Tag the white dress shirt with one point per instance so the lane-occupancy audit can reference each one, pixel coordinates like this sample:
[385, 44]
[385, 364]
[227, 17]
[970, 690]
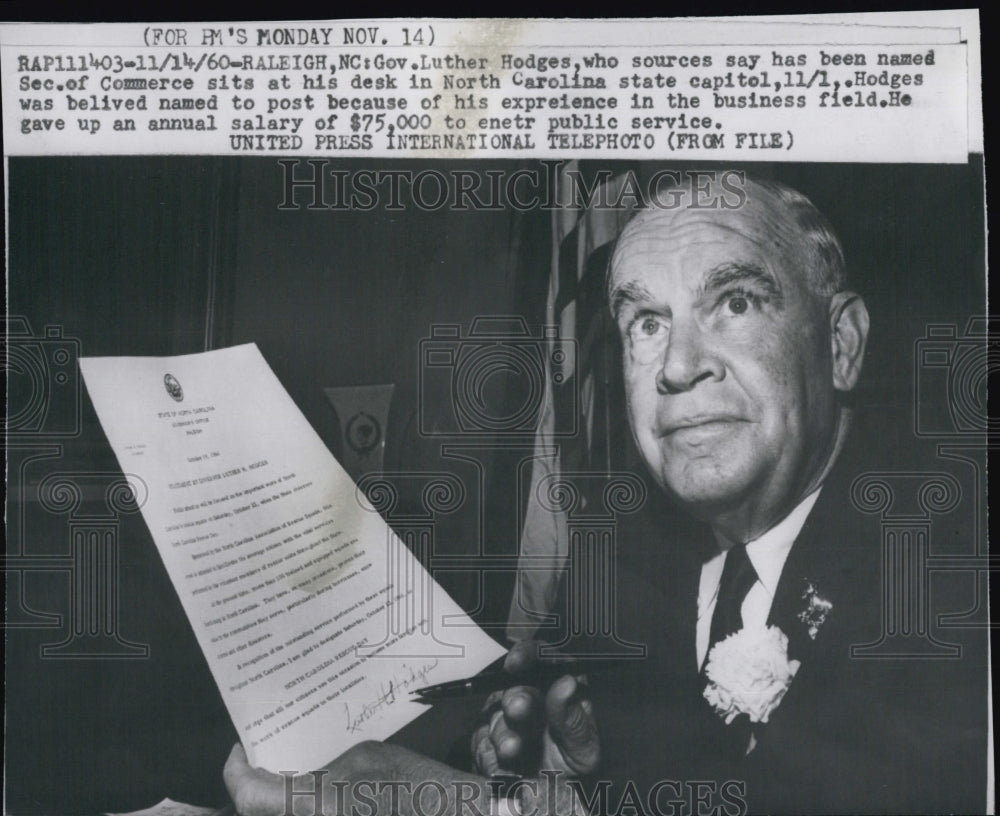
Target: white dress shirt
[768, 554]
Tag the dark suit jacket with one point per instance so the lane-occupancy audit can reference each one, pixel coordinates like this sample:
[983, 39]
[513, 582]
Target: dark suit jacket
[852, 734]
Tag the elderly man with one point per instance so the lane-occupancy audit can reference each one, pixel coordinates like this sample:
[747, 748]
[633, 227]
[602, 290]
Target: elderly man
[741, 342]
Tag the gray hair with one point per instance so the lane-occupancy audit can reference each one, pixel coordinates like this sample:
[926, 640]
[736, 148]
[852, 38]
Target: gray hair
[788, 218]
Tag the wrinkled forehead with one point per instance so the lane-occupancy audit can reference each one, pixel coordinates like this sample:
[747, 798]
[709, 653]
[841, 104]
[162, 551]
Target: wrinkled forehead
[761, 228]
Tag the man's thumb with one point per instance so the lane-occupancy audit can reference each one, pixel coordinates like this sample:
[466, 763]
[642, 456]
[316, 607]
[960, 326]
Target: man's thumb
[253, 791]
[522, 657]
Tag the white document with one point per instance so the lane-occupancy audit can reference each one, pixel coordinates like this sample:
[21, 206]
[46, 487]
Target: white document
[315, 619]
[168, 807]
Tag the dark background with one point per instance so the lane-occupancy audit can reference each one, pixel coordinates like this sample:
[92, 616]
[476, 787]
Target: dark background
[171, 255]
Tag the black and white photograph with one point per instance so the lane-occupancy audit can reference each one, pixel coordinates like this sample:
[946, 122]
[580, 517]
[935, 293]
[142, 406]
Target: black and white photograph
[574, 460]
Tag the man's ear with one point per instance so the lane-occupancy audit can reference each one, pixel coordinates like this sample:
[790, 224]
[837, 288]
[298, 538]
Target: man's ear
[848, 336]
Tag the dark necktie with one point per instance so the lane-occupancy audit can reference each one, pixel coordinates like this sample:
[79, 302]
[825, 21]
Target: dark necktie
[738, 575]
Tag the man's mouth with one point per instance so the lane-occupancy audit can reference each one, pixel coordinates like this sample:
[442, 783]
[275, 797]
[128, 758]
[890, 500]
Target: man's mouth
[700, 425]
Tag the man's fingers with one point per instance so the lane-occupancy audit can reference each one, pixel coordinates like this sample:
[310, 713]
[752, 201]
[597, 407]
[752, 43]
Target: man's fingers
[506, 741]
[483, 752]
[492, 701]
[255, 792]
[480, 734]
[520, 715]
[522, 657]
[571, 726]
[495, 745]
[560, 693]
[522, 708]
[516, 720]
[237, 769]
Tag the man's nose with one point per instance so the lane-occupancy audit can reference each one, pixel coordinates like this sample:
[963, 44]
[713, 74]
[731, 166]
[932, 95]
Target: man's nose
[687, 360]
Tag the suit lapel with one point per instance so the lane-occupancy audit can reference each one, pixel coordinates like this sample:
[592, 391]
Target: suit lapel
[830, 557]
[807, 567]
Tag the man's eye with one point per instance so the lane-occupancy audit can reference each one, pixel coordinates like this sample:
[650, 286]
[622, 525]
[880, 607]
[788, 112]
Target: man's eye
[647, 327]
[739, 304]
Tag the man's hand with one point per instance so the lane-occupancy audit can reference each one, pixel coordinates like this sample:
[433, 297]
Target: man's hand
[382, 780]
[256, 792]
[556, 733]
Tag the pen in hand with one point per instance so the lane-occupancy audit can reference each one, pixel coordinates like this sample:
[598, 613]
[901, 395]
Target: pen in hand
[497, 678]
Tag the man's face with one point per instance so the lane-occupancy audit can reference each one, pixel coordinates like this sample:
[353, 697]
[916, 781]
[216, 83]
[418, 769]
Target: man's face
[727, 359]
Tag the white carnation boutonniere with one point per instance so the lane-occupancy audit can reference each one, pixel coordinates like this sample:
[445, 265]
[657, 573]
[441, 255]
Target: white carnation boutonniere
[816, 611]
[749, 673]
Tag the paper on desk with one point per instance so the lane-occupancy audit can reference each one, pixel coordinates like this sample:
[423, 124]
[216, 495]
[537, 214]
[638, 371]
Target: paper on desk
[168, 807]
[315, 619]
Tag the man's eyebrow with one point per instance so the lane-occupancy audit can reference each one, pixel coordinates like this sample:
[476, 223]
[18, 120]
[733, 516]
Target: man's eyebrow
[731, 274]
[628, 292]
